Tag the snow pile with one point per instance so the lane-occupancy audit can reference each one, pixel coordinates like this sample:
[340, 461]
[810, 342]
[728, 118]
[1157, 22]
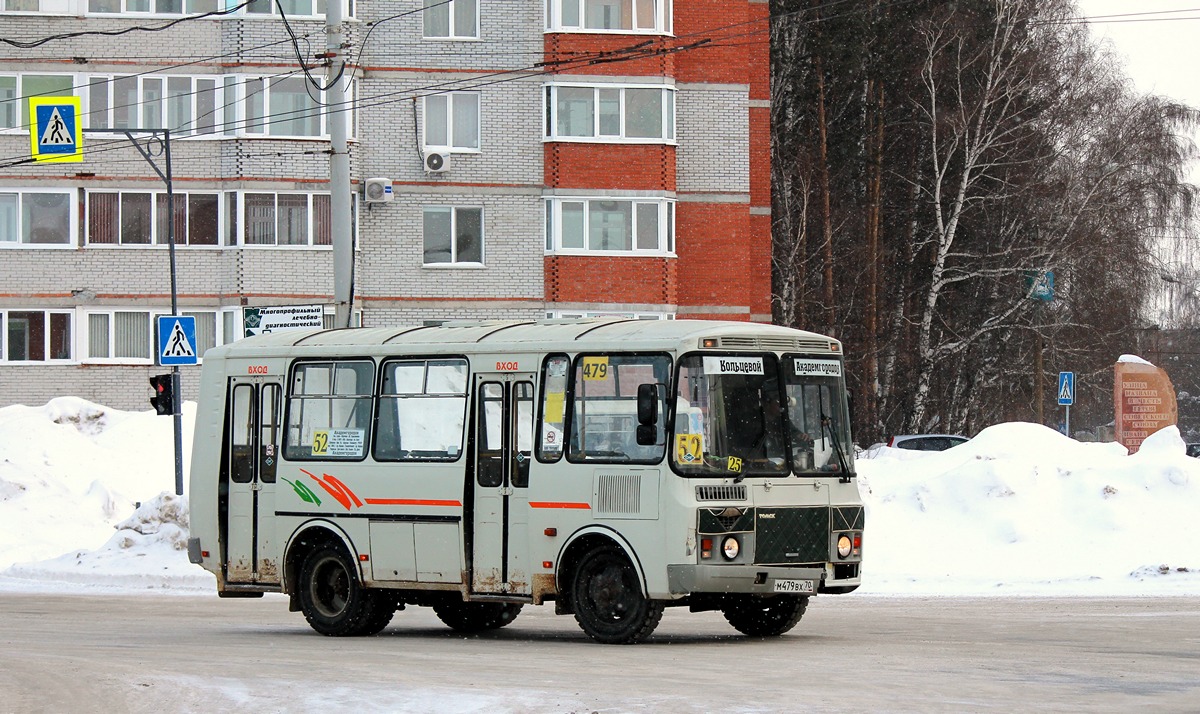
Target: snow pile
[149, 550]
[1023, 509]
[72, 472]
[86, 500]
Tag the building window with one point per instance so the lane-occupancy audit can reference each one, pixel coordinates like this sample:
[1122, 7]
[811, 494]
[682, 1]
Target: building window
[452, 121]
[635, 315]
[35, 336]
[453, 235]
[627, 16]
[286, 219]
[610, 113]
[610, 225]
[16, 88]
[140, 218]
[257, 8]
[455, 20]
[120, 335]
[55, 6]
[36, 218]
[117, 336]
[185, 105]
[224, 105]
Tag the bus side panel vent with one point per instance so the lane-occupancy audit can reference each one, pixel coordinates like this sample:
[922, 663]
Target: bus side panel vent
[626, 494]
[721, 493]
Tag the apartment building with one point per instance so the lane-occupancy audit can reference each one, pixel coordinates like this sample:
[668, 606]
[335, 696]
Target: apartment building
[511, 159]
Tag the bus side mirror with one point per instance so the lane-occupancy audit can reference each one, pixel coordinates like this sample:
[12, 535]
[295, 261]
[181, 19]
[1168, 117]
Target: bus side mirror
[647, 404]
[647, 411]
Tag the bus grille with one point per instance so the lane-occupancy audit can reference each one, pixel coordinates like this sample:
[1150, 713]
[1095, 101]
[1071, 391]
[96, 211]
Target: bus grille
[721, 493]
[792, 535]
[780, 344]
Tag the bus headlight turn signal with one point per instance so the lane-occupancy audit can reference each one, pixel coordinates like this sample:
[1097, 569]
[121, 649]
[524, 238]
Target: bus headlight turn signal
[730, 548]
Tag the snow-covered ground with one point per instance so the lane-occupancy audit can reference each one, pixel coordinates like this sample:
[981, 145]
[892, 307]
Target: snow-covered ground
[1019, 510]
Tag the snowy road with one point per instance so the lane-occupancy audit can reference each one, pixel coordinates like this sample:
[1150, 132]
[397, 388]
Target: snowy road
[182, 653]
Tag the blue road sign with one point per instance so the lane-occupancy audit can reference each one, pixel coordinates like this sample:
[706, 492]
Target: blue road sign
[56, 135]
[1066, 388]
[1040, 285]
[176, 340]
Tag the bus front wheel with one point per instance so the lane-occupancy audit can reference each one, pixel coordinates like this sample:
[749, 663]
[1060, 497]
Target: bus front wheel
[764, 615]
[334, 601]
[608, 600]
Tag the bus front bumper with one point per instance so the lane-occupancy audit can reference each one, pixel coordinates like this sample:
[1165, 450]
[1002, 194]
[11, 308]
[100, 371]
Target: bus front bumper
[689, 579]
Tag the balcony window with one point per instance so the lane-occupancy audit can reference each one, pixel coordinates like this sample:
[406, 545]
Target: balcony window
[625, 16]
[610, 113]
[606, 226]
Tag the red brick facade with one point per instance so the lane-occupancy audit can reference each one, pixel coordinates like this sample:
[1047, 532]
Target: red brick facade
[722, 263]
[623, 167]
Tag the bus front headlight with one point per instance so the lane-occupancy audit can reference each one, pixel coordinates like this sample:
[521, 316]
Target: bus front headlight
[730, 548]
[844, 546]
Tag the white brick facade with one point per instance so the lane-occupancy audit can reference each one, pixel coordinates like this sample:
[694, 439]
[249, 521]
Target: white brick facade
[504, 178]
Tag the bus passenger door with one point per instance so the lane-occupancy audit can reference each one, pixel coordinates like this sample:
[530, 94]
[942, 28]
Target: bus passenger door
[253, 453]
[503, 450]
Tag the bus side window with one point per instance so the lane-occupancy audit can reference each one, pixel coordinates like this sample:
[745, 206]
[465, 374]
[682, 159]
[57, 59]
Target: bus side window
[422, 410]
[269, 432]
[490, 438]
[329, 410]
[554, 408]
[241, 452]
[523, 399]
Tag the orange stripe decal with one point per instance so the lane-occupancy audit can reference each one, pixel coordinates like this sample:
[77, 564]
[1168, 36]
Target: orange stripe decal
[411, 502]
[559, 504]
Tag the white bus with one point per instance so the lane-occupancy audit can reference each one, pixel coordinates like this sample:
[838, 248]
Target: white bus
[615, 467]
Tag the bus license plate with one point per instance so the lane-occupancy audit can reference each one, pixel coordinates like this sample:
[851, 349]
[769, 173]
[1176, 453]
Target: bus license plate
[793, 586]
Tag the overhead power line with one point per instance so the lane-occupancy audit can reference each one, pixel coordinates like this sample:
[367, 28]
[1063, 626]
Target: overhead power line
[640, 50]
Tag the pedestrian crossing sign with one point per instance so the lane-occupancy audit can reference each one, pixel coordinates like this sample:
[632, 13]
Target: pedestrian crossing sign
[55, 134]
[1066, 388]
[176, 340]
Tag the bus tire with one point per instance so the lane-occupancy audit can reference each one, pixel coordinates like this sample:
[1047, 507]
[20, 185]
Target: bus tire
[764, 615]
[334, 601]
[383, 609]
[608, 601]
[476, 616]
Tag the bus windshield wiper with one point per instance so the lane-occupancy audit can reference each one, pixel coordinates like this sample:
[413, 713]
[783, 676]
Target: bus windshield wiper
[827, 425]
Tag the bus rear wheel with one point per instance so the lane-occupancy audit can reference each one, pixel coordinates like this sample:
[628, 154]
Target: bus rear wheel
[764, 615]
[334, 601]
[476, 616]
[608, 601]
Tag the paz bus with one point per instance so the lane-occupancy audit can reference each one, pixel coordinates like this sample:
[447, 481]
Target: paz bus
[614, 467]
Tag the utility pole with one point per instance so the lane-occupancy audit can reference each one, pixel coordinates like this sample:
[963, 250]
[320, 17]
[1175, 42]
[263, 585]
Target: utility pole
[150, 152]
[336, 113]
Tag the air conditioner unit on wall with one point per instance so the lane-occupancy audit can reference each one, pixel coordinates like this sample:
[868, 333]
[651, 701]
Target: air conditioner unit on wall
[436, 162]
[378, 190]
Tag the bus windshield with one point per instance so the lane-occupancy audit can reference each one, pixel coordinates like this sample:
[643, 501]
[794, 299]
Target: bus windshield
[727, 416]
[820, 437]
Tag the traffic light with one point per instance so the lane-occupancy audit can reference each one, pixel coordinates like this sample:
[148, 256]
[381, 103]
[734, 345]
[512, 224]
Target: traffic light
[164, 394]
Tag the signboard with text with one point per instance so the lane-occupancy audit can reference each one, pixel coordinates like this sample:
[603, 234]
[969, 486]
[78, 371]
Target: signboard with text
[1144, 401]
[262, 320]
